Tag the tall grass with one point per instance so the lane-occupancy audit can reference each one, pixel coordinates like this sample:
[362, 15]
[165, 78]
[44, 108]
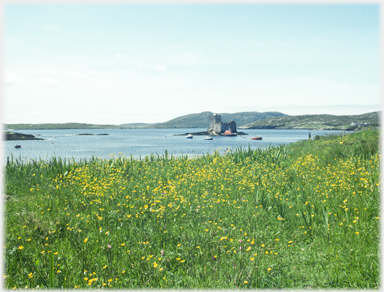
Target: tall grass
[296, 216]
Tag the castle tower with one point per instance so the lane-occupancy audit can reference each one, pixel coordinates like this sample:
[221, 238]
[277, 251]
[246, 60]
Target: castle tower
[215, 119]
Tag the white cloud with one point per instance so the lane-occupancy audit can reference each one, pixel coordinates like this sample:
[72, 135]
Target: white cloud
[47, 81]
[119, 56]
[11, 79]
[160, 68]
[187, 59]
[74, 74]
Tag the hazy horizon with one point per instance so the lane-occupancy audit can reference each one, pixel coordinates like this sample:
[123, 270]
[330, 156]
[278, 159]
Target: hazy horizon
[354, 110]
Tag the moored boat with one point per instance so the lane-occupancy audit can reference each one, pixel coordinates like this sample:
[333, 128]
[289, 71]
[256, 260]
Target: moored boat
[257, 138]
[189, 136]
[228, 133]
[17, 146]
[208, 138]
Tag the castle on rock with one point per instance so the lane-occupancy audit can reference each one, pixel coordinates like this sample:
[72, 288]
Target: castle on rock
[216, 126]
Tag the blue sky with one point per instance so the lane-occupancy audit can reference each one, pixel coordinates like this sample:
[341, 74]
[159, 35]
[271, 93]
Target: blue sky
[125, 63]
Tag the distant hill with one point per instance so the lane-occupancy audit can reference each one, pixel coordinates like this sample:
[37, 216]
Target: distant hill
[199, 120]
[57, 126]
[317, 122]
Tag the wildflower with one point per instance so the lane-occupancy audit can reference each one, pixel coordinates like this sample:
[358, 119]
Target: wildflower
[85, 240]
[20, 247]
[245, 282]
[109, 246]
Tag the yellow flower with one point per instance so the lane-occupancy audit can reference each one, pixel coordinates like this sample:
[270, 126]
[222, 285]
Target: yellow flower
[357, 232]
[85, 240]
[122, 244]
[252, 259]
[269, 269]
[20, 247]
[110, 280]
[155, 265]
[245, 282]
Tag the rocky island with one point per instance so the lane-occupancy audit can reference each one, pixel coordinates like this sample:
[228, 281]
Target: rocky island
[13, 136]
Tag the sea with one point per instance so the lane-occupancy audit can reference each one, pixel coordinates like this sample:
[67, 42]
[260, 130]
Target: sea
[138, 143]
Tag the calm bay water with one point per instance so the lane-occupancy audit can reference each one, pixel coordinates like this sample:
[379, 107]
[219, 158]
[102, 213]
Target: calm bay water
[138, 142]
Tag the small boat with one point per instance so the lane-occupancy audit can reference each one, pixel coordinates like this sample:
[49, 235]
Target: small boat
[228, 133]
[208, 138]
[257, 138]
[17, 146]
[189, 136]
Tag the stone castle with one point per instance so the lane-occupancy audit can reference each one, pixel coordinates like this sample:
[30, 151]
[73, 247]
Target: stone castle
[216, 126]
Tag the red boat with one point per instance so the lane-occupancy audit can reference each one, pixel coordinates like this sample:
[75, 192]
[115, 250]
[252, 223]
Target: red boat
[257, 138]
[229, 133]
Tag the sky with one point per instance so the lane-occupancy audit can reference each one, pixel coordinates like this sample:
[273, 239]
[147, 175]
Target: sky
[123, 63]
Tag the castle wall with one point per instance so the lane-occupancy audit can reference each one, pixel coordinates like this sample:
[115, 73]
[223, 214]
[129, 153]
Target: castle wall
[228, 126]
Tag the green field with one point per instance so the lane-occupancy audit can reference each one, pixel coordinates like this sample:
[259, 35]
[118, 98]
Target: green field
[300, 216]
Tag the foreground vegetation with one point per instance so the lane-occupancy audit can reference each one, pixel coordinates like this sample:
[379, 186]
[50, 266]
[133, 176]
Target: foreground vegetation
[297, 216]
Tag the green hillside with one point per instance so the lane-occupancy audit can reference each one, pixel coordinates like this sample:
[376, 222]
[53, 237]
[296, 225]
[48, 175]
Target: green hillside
[326, 122]
[201, 120]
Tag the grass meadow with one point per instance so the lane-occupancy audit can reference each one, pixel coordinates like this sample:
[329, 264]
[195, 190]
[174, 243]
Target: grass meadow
[304, 215]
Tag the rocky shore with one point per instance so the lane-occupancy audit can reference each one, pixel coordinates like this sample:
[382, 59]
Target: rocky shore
[12, 136]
